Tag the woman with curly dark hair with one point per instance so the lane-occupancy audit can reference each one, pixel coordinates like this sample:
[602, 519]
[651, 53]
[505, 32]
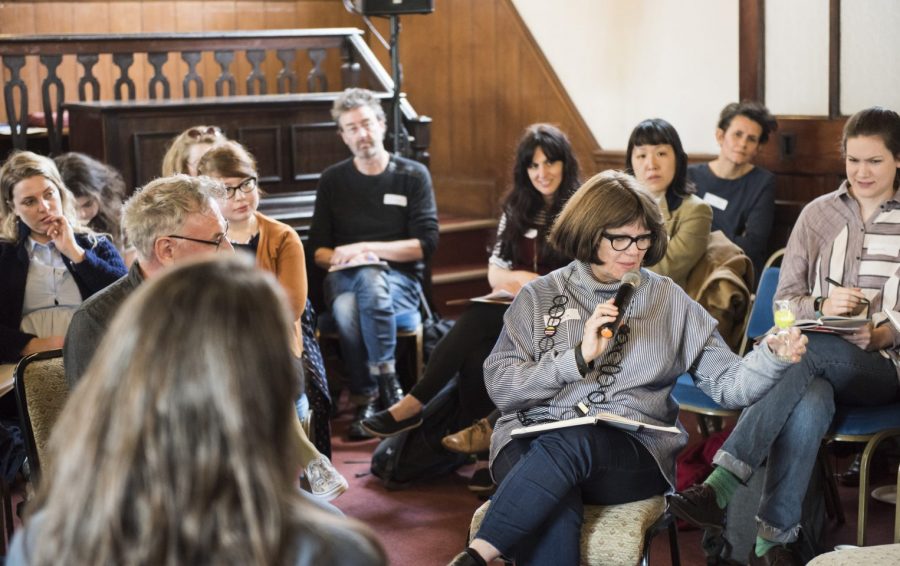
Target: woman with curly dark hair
[545, 175]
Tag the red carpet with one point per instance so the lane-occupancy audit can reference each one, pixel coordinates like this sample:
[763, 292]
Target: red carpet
[423, 525]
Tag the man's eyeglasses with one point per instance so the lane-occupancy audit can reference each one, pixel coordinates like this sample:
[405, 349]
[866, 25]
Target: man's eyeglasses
[210, 131]
[217, 242]
[246, 186]
[621, 242]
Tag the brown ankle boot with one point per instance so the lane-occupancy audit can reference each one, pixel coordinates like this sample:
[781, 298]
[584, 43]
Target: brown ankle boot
[471, 440]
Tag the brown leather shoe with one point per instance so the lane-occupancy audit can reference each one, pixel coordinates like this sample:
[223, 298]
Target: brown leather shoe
[697, 505]
[470, 440]
[777, 556]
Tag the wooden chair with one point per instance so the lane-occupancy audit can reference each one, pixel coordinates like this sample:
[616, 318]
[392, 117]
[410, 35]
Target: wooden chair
[41, 392]
[617, 534]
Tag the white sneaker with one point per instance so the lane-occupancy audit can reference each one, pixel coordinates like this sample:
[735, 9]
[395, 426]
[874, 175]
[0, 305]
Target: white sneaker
[325, 482]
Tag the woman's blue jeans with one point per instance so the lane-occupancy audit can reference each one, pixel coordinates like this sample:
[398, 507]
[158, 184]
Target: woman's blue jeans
[536, 514]
[788, 424]
[363, 303]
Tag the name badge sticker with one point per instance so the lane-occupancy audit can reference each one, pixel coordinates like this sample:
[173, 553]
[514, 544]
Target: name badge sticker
[394, 200]
[531, 233]
[569, 314]
[715, 201]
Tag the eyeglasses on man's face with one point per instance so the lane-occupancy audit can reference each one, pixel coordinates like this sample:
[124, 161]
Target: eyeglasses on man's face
[621, 242]
[216, 242]
[246, 186]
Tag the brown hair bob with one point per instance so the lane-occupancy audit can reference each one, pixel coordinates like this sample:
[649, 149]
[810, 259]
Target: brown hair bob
[610, 199]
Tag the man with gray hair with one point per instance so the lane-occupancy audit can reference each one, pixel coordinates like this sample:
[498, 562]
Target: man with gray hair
[170, 219]
[375, 222]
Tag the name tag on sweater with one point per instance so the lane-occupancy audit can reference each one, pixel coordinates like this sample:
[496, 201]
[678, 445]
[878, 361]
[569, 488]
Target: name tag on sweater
[715, 201]
[531, 234]
[570, 314]
[394, 200]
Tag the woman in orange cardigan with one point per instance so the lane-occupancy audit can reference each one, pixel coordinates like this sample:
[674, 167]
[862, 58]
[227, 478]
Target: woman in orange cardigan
[278, 249]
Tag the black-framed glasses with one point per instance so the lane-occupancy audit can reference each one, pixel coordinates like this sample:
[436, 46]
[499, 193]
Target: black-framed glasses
[246, 186]
[621, 242]
[217, 242]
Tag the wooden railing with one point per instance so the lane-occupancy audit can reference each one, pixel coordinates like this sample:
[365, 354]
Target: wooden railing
[336, 57]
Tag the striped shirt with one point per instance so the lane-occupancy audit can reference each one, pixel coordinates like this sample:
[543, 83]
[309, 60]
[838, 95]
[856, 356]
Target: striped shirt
[830, 240]
[508, 263]
[670, 334]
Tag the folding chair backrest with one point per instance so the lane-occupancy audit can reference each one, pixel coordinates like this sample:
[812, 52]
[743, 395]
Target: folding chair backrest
[761, 316]
[41, 392]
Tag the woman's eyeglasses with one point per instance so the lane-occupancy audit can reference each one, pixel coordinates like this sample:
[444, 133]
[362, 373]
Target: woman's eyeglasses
[246, 186]
[621, 242]
[210, 131]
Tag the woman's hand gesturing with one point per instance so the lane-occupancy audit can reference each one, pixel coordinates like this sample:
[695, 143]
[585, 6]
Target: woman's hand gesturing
[592, 344]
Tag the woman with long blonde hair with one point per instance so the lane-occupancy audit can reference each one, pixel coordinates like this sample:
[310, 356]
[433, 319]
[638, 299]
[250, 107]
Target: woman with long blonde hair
[50, 262]
[186, 457]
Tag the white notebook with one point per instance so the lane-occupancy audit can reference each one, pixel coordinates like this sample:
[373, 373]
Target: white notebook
[602, 418]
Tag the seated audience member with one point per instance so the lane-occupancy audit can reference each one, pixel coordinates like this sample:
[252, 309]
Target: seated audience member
[656, 158]
[49, 262]
[849, 236]
[372, 207]
[742, 195]
[177, 446]
[169, 220]
[188, 147]
[277, 248]
[99, 192]
[545, 175]
[552, 363]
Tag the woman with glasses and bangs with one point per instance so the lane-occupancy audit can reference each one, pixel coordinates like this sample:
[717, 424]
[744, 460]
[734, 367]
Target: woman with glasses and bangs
[555, 360]
[658, 161]
[277, 249]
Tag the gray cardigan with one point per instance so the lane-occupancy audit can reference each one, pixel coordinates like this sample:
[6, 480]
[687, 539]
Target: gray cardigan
[670, 335]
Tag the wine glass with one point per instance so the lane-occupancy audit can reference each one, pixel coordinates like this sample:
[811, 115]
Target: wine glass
[784, 320]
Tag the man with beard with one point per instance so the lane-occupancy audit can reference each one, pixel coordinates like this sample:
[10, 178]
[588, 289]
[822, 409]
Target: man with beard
[375, 223]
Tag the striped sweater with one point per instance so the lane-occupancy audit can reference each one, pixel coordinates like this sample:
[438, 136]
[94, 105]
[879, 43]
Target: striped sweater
[670, 334]
[830, 240]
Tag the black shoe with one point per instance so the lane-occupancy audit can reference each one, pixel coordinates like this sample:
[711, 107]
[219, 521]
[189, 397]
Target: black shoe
[464, 558]
[777, 556]
[356, 431]
[851, 476]
[697, 505]
[389, 390]
[481, 482]
[383, 425]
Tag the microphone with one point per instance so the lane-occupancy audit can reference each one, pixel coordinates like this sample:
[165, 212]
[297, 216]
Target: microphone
[630, 282]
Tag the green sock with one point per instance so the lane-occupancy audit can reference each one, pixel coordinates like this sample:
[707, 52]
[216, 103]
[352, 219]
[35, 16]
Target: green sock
[724, 483]
[763, 546]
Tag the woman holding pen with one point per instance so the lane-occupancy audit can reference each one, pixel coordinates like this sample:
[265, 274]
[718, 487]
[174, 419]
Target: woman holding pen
[843, 254]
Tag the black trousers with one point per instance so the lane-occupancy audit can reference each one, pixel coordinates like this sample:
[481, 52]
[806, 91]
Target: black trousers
[463, 350]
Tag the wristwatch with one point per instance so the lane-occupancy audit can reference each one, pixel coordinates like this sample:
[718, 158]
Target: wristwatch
[817, 306]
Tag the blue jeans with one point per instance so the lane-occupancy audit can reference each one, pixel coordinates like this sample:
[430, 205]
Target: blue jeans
[787, 425]
[363, 303]
[536, 514]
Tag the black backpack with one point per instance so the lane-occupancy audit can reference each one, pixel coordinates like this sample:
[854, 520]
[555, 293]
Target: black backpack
[418, 454]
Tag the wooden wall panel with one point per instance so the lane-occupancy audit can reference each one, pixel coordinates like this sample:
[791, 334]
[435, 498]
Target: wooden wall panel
[476, 70]
[472, 66]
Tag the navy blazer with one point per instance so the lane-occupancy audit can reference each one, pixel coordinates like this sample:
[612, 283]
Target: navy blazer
[101, 266]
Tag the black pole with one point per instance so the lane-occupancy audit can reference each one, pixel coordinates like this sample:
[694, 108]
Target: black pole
[397, 125]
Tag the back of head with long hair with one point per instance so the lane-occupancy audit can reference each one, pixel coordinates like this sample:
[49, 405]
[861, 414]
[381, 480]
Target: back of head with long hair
[23, 165]
[176, 447]
[657, 131]
[523, 203]
[100, 183]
